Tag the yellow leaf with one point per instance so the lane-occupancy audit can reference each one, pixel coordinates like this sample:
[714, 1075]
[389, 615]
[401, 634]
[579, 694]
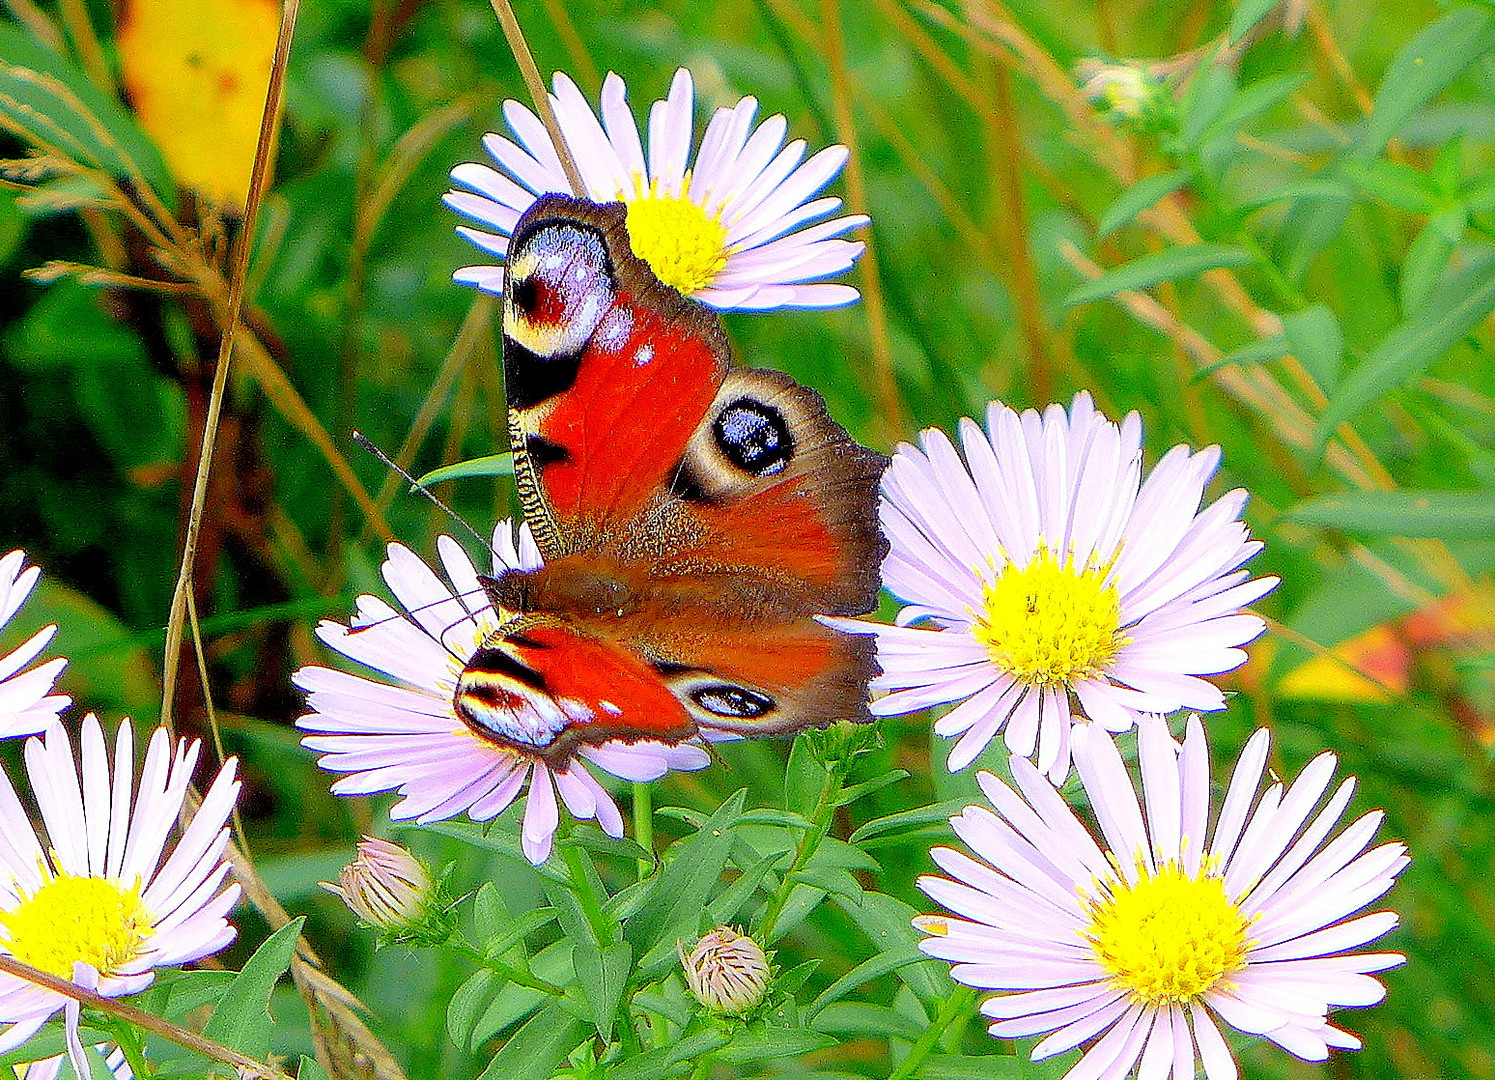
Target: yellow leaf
[197, 72]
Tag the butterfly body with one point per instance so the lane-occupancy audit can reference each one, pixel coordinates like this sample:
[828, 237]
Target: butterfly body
[694, 517]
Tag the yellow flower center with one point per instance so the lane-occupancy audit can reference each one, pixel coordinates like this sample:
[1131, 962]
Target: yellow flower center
[96, 920]
[684, 246]
[1050, 623]
[1169, 937]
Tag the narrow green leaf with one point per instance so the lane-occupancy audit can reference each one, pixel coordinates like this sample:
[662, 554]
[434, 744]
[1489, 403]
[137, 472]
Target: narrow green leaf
[830, 880]
[242, 1018]
[1401, 186]
[497, 837]
[23, 61]
[598, 842]
[537, 1049]
[1209, 94]
[1459, 305]
[603, 975]
[1253, 101]
[1428, 256]
[669, 1061]
[492, 465]
[1137, 198]
[860, 1018]
[791, 980]
[1423, 68]
[1316, 340]
[908, 819]
[769, 1042]
[467, 1004]
[1246, 15]
[1150, 270]
[734, 897]
[991, 1067]
[1308, 228]
[676, 902]
[888, 924]
[1445, 515]
[873, 968]
[1319, 187]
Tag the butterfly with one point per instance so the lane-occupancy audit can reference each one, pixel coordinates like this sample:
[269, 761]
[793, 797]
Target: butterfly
[694, 517]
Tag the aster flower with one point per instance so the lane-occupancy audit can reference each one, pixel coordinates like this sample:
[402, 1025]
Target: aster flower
[724, 228]
[1144, 937]
[27, 704]
[1054, 574]
[404, 734]
[100, 900]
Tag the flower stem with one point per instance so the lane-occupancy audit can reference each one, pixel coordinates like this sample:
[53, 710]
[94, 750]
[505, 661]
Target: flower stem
[809, 843]
[643, 825]
[956, 1005]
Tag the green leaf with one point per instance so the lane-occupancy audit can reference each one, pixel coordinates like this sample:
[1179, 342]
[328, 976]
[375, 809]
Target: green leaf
[1446, 515]
[873, 968]
[734, 897]
[1401, 186]
[867, 787]
[1428, 256]
[468, 1004]
[603, 975]
[1316, 340]
[536, 1050]
[1459, 305]
[676, 903]
[12, 225]
[860, 1018]
[308, 1069]
[770, 1041]
[909, 819]
[1305, 191]
[791, 980]
[495, 836]
[42, 93]
[830, 880]
[594, 840]
[992, 1067]
[1252, 102]
[1313, 222]
[1150, 270]
[1138, 197]
[669, 1061]
[1208, 96]
[888, 924]
[242, 1019]
[1423, 68]
[1246, 15]
[492, 465]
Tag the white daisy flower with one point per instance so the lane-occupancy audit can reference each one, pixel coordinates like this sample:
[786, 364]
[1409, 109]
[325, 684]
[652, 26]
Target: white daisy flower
[100, 900]
[405, 735]
[724, 229]
[1139, 939]
[27, 704]
[1054, 575]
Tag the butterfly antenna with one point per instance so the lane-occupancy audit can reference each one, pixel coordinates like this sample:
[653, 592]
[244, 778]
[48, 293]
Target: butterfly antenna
[364, 441]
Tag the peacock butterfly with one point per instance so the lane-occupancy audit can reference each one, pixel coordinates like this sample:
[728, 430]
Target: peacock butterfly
[694, 517]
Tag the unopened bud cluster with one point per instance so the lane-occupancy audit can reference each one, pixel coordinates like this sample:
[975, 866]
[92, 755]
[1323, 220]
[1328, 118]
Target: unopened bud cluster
[1129, 94]
[727, 972]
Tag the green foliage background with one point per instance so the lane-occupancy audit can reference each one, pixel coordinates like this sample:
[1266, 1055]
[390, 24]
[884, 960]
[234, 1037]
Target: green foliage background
[1312, 229]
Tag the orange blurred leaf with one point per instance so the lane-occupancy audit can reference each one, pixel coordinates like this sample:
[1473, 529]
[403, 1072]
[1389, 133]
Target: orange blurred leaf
[197, 72]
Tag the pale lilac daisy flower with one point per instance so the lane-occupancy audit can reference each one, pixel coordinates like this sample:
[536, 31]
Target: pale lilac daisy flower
[1055, 575]
[405, 735]
[100, 900]
[1145, 936]
[27, 704]
[724, 228]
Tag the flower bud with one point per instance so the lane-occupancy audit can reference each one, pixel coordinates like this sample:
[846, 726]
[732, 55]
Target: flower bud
[726, 971]
[385, 885]
[1128, 93]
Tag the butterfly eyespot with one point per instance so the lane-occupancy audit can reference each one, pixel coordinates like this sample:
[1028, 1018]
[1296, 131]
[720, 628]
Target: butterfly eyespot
[526, 296]
[754, 436]
[734, 701]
